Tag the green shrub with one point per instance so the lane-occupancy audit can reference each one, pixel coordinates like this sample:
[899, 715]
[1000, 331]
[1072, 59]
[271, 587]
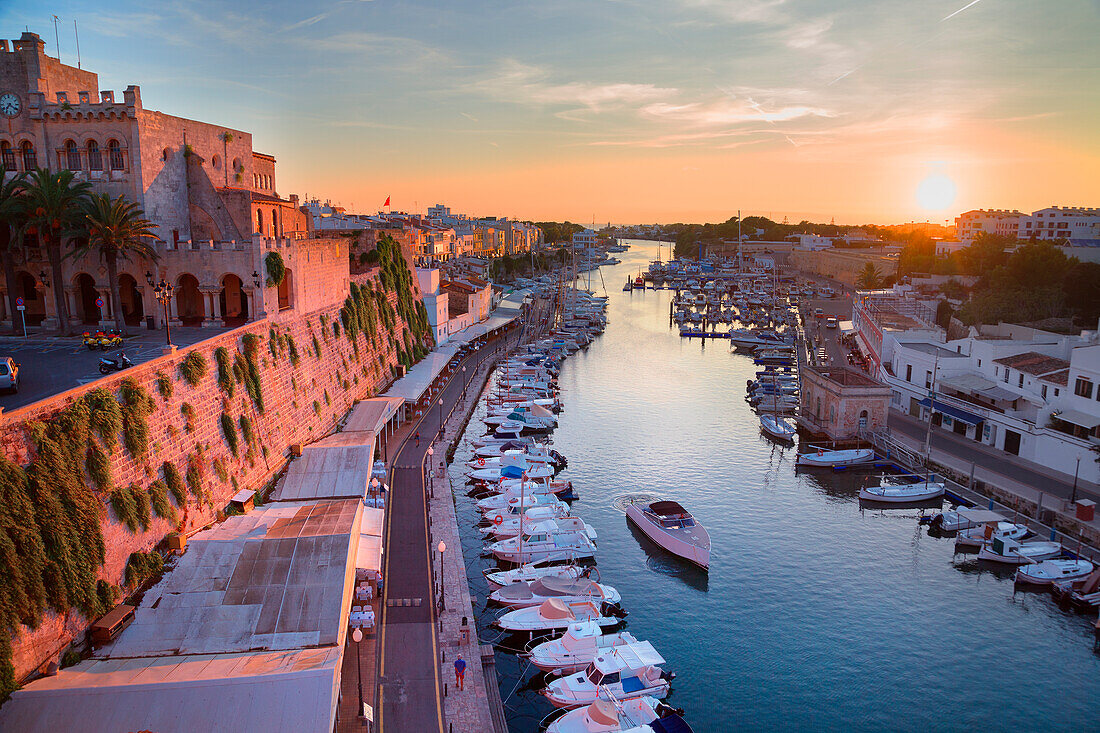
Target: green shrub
[69, 658]
[124, 504]
[246, 429]
[195, 473]
[175, 483]
[273, 343]
[221, 469]
[276, 269]
[188, 413]
[158, 497]
[328, 400]
[230, 432]
[136, 407]
[336, 328]
[317, 408]
[141, 505]
[99, 468]
[164, 385]
[142, 566]
[225, 377]
[251, 343]
[193, 368]
[316, 347]
[292, 349]
[105, 416]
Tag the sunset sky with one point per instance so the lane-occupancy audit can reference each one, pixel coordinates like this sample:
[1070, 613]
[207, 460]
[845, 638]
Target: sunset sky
[627, 110]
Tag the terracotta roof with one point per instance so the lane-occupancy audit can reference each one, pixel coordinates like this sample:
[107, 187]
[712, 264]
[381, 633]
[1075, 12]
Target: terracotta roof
[1060, 377]
[1032, 362]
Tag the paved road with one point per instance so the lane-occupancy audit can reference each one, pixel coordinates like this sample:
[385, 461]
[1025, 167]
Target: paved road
[51, 364]
[410, 690]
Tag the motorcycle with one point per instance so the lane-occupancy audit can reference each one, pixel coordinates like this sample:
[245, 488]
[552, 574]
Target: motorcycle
[107, 366]
[92, 342]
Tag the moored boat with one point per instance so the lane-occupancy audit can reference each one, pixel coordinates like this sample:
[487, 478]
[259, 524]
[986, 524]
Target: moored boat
[576, 648]
[620, 673]
[556, 614]
[1011, 552]
[1048, 571]
[902, 493]
[673, 528]
[822, 458]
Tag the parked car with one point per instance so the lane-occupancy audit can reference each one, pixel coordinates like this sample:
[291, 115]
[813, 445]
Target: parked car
[819, 313]
[831, 322]
[9, 374]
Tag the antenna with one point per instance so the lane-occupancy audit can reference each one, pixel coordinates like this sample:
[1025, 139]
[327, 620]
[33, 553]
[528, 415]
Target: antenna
[77, 34]
[56, 43]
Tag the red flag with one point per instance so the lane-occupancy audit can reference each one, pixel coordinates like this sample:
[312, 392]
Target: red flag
[387, 201]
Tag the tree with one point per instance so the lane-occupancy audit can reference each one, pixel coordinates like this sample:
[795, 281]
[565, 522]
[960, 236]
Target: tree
[1082, 289]
[869, 277]
[11, 213]
[985, 253]
[118, 230]
[52, 208]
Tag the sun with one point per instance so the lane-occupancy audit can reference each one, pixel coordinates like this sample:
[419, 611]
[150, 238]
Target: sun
[936, 192]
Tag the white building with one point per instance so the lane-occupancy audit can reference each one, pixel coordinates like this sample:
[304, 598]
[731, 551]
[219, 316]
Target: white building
[1081, 226]
[813, 242]
[435, 301]
[584, 239]
[1003, 222]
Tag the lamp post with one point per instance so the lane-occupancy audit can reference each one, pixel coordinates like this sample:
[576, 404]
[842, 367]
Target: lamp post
[431, 475]
[357, 636]
[163, 291]
[465, 384]
[442, 547]
[1073, 495]
[441, 416]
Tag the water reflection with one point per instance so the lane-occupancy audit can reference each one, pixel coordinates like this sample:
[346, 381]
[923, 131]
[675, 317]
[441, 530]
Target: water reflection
[660, 560]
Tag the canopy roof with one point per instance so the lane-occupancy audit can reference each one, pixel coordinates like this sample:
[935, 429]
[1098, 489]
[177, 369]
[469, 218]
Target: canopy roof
[1081, 419]
[554, 608]
[667, 509]
[980, 516]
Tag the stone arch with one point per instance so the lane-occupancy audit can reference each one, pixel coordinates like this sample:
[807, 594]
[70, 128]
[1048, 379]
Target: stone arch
[166, 155]
[29, 155]
[864, 418]
[7, 156]
[133, 309]
[190, 305]
[260, 221]
[232, 299]
[286, 291]
[26, 287]
[87, 294]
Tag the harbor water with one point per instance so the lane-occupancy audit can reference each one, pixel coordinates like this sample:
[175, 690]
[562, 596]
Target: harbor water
[815, 614]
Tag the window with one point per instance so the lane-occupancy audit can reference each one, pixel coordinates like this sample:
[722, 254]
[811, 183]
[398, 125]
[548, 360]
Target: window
[928, 380]
[1020, 383]
[1043, 391]
[95, 160]
[216, 162]
[72, 155]
[1007, 370]
[166, 155]
[30, 158]
[114, 153]
[7, 155]
[1083, 388]
[259, 221]
[980, 363]
[1056, 391]
[908, 372]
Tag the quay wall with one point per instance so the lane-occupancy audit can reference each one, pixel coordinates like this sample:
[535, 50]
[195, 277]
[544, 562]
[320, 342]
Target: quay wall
[842, 266]
[303, 396]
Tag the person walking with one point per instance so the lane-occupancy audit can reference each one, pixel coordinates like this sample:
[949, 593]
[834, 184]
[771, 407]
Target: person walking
[417, 436]
[460, 672]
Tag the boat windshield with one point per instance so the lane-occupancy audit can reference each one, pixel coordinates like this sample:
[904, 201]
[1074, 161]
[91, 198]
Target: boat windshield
[594, 675]
[676, 522]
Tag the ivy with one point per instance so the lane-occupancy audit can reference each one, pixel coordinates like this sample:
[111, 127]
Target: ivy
[193, 368]
[246, 429]
[317, 408]
[292, 349]
[164, 385]
[225, 378]
[142, 566]
[175, 483]
[105, 416]
[195, 473]
[99, 467]
[276, 269]
[131, 506]
[316, 347]
[158, 497]
[221, 469]
[188, 413]
[230, 433]
[136, 407]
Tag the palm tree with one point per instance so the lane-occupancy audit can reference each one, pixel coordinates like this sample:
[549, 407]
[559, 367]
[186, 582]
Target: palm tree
[52, 208]
[869, 277]
[11, 217]
[117, 229]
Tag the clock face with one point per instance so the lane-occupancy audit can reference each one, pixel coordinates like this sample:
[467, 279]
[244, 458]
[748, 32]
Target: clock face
[9, 104]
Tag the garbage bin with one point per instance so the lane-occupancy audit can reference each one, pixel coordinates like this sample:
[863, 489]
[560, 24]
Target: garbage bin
[149, 323]
[1086, 509]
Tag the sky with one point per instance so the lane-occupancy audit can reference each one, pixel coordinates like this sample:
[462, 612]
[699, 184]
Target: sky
[628, 111]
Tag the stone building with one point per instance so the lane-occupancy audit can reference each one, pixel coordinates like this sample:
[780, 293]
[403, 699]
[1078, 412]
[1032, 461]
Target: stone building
[212, 198]
[840, 402]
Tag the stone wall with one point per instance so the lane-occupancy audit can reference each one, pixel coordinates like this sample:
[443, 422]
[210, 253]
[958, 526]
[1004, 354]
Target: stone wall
[843, 266]
[302, 401]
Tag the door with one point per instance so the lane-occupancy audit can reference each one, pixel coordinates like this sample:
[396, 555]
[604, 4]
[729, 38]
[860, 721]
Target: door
[959, 427]
[914, 407]
[1012, 442]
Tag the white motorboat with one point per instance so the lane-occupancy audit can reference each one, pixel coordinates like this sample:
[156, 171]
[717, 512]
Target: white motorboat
[1011, 552]
[533, 572]
[637, 715]
[778, 427]
[620, 673]
[504, 470]
[512, 502]
[673, 528]
[498, 449]
[539, 456]
[902, 493]
[983, 535]
[963, 518]
[576, 648]
[822, 458]
[555, 614]
[1048, 571]
[510, 526]
[524, 594]
[559, 539]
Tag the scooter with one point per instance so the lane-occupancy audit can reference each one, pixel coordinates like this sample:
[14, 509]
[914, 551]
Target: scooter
[106, 366]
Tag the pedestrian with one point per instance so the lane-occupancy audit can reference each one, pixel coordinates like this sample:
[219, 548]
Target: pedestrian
[460, 672]
[417, 436]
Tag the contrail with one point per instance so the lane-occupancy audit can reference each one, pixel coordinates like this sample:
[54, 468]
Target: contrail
[968, 5]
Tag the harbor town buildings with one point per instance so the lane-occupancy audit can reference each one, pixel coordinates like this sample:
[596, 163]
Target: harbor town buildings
[213, 198]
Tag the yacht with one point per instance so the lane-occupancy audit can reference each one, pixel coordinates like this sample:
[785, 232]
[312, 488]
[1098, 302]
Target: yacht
[534, 572]
[984, 534]
[501, 526]
[559, 539]
[673, 528]
[778, 427]
[620, 673]
[902, 493]
[576, 648]
[523, 594]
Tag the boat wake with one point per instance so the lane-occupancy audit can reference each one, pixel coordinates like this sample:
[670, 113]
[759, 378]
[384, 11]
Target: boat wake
[619, 503]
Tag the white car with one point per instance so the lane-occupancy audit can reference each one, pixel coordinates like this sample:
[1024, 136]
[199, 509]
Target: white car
[830, 322]
[9, 374]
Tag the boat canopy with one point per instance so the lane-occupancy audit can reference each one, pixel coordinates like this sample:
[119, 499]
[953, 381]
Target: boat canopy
[579, 631]
[602, 712]
[668, 509]
[670, 724]
[634, 656]
[554, 608]
[980, 516]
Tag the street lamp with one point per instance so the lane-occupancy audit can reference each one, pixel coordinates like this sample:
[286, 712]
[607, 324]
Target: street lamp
[440, 416]
[464, 383]
[1073, 496]
[44, 278]
[442, 547]
[256, 278]
[357, 636]
[163, 292]
[431, 475]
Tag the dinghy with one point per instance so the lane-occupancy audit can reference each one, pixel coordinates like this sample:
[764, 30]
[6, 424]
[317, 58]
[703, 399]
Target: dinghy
[673, 528]
[620, 673]
[1011, 552]
[1048, 571]
[822, 458]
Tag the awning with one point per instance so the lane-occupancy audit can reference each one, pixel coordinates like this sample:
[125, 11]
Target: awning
[1080, 419]
[953, 412]
[369, 556]
[980, 516]
[975, 384]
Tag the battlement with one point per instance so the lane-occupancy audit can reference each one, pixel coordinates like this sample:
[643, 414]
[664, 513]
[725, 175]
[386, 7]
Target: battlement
[84, 108]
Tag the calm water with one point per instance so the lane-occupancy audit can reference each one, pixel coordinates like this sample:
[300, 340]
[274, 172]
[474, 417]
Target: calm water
[815, 614]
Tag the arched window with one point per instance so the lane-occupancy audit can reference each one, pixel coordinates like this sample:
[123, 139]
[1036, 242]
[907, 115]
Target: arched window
[95, 160]
[30, 158]
[72, 155]
[114, 153]
[260, 221]
[166, 155]
[216, 162]
[7, 155]
[275, 222]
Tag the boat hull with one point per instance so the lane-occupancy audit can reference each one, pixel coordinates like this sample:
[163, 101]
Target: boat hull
[692, 553]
